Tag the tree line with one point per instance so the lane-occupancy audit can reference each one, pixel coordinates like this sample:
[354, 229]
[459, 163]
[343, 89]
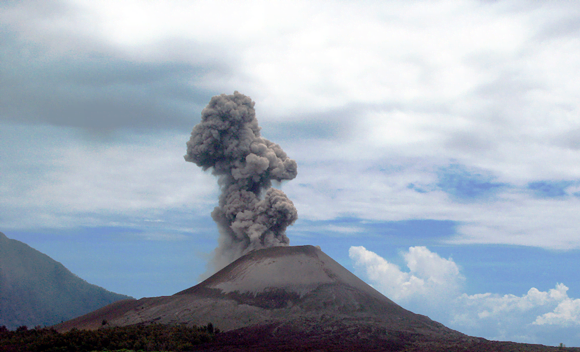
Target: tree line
[153, 337]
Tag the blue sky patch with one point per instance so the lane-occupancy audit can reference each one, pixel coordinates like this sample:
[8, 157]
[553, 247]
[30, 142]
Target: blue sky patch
[505, 269]
[464, 184]
[388, 238]
[416, 188]
[549, 189]
[129, 259]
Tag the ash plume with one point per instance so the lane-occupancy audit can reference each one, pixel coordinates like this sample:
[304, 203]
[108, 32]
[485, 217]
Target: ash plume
[251, 214]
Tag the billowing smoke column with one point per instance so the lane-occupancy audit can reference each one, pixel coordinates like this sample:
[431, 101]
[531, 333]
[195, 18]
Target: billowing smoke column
[250, 215]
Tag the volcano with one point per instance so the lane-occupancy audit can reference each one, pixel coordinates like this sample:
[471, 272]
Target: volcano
[287, 295]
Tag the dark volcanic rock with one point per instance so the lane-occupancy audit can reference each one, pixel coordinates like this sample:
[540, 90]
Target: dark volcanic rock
[36, 290]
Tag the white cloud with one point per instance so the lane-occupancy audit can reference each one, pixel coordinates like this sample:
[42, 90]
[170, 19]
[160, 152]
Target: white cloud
[324, 191]
[565, 314]
[430, 277]
[432, 286]
[497, 307]
[64, 184]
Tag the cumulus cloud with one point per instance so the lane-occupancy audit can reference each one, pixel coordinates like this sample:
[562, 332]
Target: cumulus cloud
[566, 313]
[438, 281]
[533, 317]
[430, 277]
[494, 307]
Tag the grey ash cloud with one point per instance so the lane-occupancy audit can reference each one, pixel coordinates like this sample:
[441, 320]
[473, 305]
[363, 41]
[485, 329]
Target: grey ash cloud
[251, 214]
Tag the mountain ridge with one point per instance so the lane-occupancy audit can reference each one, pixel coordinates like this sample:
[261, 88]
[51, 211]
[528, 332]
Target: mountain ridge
[37, 290]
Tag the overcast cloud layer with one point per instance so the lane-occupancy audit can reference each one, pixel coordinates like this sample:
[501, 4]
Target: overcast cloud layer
[459, 111]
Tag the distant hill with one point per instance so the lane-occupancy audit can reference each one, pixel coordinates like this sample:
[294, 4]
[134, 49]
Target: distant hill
[37, 290]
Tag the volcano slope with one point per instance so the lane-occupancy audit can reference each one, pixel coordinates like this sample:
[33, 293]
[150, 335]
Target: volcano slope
[286, 298]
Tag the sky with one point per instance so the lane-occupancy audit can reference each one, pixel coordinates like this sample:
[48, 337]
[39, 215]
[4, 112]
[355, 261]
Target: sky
[437, 143]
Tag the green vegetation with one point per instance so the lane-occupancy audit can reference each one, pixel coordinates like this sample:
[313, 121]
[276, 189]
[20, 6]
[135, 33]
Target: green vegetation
[154, 337]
